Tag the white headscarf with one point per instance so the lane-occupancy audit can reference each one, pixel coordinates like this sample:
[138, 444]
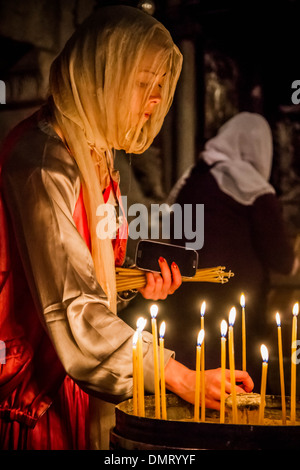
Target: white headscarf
[92, 84]
[242, 154]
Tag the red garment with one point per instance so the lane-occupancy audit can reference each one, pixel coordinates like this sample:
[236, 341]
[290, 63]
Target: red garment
[40, 407]
[63, 427]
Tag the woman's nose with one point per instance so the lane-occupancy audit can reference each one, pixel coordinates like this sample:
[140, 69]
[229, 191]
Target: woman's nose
[155, 96]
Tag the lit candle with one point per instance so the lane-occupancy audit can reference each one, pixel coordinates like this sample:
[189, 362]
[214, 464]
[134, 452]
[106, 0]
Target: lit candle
[198, 377]
[232, 316]
[202, 313]
[293, 363]
[153, 312]
[265, 357]
[223, 367]
[141, 399]
[162, 371]
[134, 366]
[282, 387]
[242, 303]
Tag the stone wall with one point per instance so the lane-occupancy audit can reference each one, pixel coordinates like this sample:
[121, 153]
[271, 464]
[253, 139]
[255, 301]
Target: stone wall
[32, 33]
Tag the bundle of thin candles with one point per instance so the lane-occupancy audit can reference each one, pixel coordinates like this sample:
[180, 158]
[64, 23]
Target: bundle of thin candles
[133, 278]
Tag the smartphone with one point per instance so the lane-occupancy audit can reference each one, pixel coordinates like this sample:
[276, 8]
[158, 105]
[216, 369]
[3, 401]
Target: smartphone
[148, 252]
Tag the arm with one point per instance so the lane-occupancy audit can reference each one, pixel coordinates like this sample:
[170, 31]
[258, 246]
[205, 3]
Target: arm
[93, 344]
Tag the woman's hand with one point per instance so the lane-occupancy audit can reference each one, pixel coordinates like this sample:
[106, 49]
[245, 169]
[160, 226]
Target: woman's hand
[159, 286]
[181, 381]
[213, 385]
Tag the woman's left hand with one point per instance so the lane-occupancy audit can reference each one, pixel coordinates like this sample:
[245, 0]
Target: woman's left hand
[159, 286]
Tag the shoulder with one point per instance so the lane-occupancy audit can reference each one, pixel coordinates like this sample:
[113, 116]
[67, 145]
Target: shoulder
[32, 153]
[37, 165]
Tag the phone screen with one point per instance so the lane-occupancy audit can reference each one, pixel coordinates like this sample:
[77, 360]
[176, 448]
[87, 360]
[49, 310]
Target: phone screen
[148, 252]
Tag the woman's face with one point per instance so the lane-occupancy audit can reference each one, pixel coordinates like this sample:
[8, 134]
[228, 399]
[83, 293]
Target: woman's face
[150, 82]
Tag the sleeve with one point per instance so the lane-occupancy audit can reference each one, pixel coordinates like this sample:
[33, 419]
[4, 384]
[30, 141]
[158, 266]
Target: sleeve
[270, 235]
[93, 344]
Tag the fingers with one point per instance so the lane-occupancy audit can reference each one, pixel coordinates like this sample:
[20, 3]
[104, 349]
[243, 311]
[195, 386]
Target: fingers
[172, 279]
[159, 286]
[164, 288]
[245, 380]
[244, 384]
[176, 278]
[182, 380]
[212, 404]
[154, 283]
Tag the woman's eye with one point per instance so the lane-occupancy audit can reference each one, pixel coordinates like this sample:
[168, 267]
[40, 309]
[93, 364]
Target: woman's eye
[142, 84]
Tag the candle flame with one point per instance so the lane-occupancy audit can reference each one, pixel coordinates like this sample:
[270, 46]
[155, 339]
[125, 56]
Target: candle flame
[278, 321]
[162, 329]
[203, 306]
[296, 308]
[200, 337]
[264, 353]
[232, 315]
[242, 300]
[135, 338]
[141, 323]
[223, 328]
[153, 310]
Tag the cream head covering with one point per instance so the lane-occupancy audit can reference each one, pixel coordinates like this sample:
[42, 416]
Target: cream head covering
[242, 154]
[93, 83]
